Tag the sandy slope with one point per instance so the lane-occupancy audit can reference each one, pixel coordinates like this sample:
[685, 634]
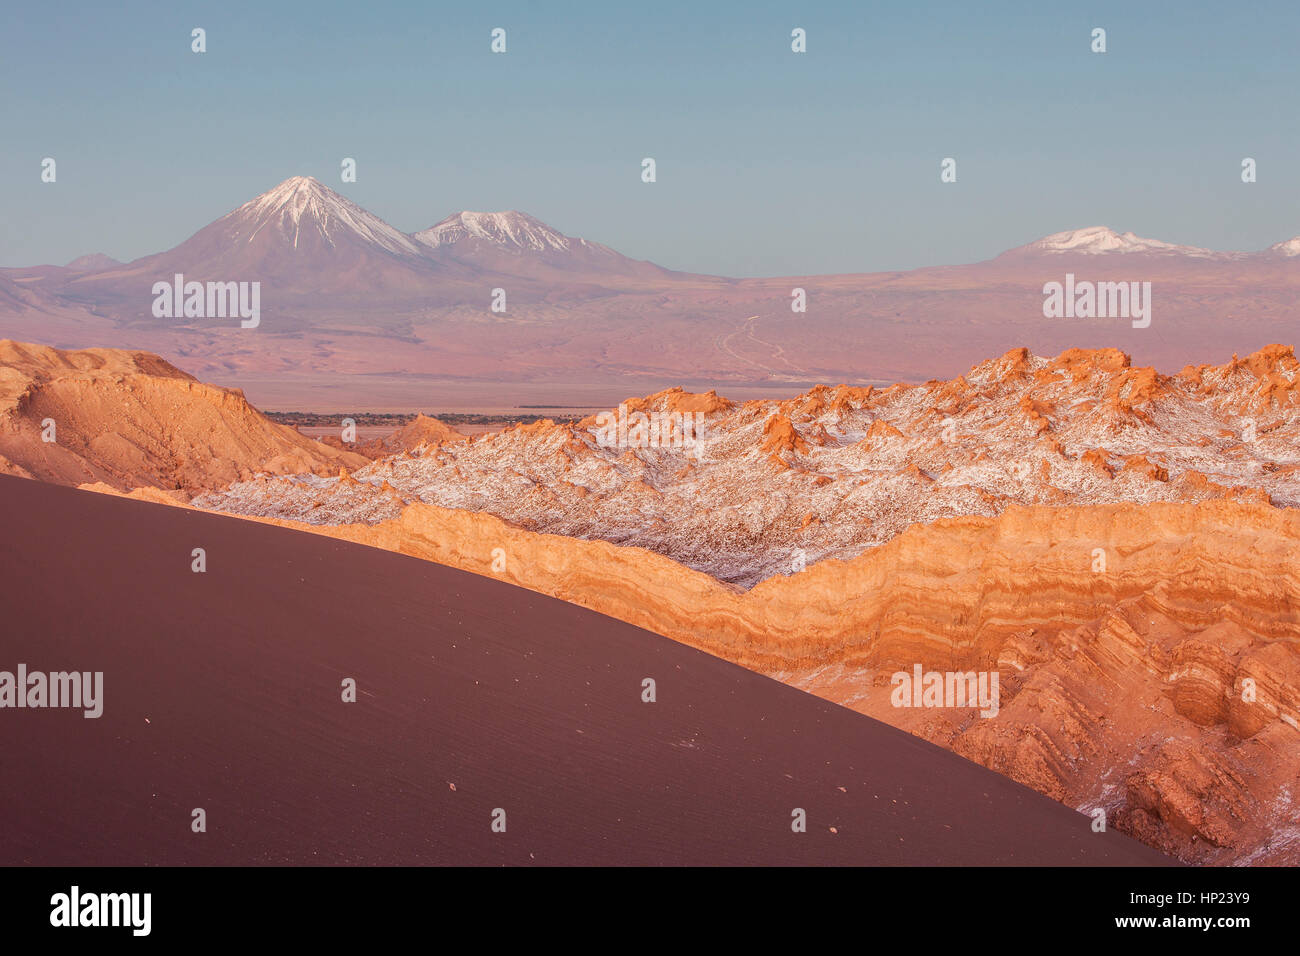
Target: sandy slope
[222, 692]
[1122, 689]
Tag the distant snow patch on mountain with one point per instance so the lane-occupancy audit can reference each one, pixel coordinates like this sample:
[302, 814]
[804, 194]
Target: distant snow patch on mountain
[510, 229]
[1101, 240]
[1286, 248]
[304, 203]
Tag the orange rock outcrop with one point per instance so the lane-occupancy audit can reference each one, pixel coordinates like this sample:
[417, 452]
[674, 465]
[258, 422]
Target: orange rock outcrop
[130, 419]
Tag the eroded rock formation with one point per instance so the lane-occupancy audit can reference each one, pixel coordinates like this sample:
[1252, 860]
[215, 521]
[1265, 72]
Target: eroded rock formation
[130, 419]
[1082, 428]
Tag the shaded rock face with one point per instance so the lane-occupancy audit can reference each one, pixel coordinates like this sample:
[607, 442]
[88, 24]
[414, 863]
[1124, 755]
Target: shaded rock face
[131, 419]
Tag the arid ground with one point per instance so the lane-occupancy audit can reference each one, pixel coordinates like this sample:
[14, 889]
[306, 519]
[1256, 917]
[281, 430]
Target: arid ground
[1118, 545]
[222, 692]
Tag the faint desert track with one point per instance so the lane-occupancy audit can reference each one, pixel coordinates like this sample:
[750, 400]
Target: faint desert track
[746, 328]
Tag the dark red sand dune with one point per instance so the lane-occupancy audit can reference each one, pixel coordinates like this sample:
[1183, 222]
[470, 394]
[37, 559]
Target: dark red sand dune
[222, 691]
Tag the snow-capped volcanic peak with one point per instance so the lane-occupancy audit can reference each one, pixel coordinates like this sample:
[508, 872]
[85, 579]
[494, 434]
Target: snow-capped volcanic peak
[1100, 240]
[1288, 247]
[302, 204]
[510, 229]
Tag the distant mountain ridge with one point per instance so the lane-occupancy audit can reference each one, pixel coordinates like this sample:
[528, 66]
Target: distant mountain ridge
[348, 301]
[309, 239]
[302, 226]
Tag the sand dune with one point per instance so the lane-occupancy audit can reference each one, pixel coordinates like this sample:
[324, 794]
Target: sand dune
[222, 692]
[1122, 688]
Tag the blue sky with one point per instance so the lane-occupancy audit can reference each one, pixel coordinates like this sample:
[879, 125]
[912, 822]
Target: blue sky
[769, 162]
